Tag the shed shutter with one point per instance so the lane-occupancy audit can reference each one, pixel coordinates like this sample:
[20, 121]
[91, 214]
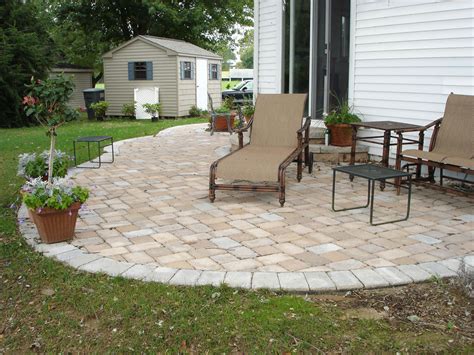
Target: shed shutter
[209, 72]
[181, 70]
[149, 70]
[192, 70]
[218, 72]
[131, 72]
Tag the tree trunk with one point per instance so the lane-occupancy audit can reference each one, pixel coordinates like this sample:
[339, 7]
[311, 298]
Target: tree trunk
[52, 137]
[95, 79]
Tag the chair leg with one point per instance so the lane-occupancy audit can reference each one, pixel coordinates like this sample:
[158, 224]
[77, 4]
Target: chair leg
[299, 173]
[212, 180]
[282, 187]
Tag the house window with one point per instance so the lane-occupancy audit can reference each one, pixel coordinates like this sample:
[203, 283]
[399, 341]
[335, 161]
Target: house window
[140, 71]
[186, 70]
[214, 71]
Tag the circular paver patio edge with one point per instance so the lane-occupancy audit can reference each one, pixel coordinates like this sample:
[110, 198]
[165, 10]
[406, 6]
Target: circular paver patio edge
[316, 281]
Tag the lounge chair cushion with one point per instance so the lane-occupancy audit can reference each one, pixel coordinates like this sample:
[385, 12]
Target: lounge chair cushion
[462, 162]
[253, 163]
[424, 155]
[456, 137]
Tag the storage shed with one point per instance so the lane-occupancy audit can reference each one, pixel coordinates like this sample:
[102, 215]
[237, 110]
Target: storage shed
[180, 74]
[82, 78]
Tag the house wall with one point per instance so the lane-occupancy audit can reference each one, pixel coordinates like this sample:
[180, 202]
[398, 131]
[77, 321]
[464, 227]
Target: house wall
[82, 81]
[268, 60]
[407, 56]
[186, 88]
[214, 86]
[119, 90]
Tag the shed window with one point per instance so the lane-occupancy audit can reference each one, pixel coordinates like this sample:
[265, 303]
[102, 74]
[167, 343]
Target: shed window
[186, 70]
[140, 71]
[213, 71]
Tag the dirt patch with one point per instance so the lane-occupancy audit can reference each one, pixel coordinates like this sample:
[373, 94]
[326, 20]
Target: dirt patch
[435, 305]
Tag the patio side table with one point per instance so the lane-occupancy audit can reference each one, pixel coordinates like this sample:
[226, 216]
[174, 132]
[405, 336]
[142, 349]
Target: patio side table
[98, 140]
[372, 173]
[387, 127]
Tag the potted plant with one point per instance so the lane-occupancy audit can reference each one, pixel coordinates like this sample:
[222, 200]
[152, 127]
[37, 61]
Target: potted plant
[100, 109]
[129, 110]
[54, 207]
[338, 122]
[153, 110]
[53, 204]
[32, 165]
[248, 110]
[222, 113]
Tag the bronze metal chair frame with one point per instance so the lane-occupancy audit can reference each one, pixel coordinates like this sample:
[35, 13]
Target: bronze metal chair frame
[418, 162]
[303, 147]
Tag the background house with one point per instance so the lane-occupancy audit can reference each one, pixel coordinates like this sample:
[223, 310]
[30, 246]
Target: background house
[82, 78]
[183, 72]
[393, 59]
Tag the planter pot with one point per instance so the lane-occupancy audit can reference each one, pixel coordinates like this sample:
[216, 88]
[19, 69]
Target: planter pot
[221, 122]
[341, 134]
[56, 225]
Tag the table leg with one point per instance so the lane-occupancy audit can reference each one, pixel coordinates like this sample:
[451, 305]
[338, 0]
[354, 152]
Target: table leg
[310, 163]
[353, 149]
[75, 158]
[113, 154]
[385, 154]
[372, 203]
[100, 162]
[369, 184]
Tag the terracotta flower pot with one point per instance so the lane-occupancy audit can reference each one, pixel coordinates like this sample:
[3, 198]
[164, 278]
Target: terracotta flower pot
[221, 122]
[341, 134]
[55, 225]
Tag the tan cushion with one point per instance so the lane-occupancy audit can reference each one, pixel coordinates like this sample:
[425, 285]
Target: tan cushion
[456, 133]
[253, 163]
[415, 153]
[462, 162]
[276, 119]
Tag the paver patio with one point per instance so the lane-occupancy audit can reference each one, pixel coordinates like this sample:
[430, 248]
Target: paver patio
[151, 208]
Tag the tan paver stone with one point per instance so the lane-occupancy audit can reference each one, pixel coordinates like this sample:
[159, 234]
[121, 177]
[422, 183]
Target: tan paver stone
[259, 242]
[293, 265]
[379, 262]
[392, 254]
[138, 257]
[143, 246]
[312, 259]
[166, 259]
[142, 240]
[242, 265]
[300, 229]
[113, 251]
[164, 237]
[273, 258]
[204, 264]
[289, 248]
[94, 248]
[156, 252]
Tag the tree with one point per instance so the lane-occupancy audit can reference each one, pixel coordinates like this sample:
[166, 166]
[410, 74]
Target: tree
[227, 54]
[86, 29]
[246, 51]
[26, 50]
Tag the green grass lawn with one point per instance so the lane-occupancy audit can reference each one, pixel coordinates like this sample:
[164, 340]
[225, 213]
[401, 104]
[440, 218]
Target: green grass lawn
[48, 307]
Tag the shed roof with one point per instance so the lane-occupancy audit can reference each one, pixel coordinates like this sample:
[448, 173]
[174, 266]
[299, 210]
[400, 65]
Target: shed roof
[173, 46]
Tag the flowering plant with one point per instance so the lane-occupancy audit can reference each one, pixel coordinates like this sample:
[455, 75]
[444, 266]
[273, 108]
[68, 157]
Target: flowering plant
[47, 103]
[60, 194]
[32, 165]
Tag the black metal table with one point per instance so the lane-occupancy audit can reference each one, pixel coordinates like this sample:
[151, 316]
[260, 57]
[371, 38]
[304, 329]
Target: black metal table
[98, 140]
[372, 173]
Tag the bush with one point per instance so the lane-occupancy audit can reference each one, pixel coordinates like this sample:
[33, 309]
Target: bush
[342, 114]
[100, 109]
[152, 109]
[194, 111]
[129, 110]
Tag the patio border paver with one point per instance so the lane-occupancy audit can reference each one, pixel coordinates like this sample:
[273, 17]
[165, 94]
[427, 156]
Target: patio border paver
[298, 281]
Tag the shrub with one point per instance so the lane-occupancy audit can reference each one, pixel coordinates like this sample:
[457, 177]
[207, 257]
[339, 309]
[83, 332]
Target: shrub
[153, 109]
[248, 110]
[60, 194]
[129, 110]
[341, 114]
[100, 109]
[32, 165]
[194, 111]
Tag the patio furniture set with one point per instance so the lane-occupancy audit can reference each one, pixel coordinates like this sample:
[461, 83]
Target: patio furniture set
[262, 163]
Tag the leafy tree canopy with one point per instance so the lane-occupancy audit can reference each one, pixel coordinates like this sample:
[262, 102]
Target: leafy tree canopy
[84, 29]
[26, 50]
[246, 50]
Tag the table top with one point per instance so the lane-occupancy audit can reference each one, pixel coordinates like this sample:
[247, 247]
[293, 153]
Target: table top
[93, 138]
[387, 125]
[370, 171]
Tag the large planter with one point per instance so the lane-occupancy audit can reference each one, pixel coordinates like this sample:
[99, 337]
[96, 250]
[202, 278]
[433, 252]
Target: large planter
[55, 225]
[220, 123]
[341, 134]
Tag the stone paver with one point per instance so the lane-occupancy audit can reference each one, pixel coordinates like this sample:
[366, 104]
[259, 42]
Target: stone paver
[150, 209]
[293, 281]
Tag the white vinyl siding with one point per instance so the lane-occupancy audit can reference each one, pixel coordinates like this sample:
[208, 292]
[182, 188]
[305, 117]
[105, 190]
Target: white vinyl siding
[214, 86]
[268, 42]
[119, 90]
[408, 56]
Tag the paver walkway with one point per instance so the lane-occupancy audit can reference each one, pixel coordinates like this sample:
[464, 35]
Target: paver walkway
[149, 217]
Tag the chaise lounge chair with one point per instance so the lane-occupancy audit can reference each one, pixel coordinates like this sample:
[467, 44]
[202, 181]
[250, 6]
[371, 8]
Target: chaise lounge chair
[451, 145]
[276, 140]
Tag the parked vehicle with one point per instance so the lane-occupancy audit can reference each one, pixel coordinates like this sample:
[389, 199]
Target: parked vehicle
[242, 92]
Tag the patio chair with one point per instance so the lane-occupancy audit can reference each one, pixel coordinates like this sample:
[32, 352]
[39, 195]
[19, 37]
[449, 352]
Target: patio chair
[276, 140]
[214, 116]
[451, 145]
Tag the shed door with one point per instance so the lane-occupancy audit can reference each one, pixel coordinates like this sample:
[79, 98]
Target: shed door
[201, 83]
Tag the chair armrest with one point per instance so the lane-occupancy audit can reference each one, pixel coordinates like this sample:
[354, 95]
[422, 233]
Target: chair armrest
[244, 129]
[422, 128]
[305, 126]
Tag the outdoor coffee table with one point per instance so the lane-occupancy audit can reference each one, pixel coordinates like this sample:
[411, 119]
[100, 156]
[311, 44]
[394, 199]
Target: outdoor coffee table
[98, 140]
[372, 173]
